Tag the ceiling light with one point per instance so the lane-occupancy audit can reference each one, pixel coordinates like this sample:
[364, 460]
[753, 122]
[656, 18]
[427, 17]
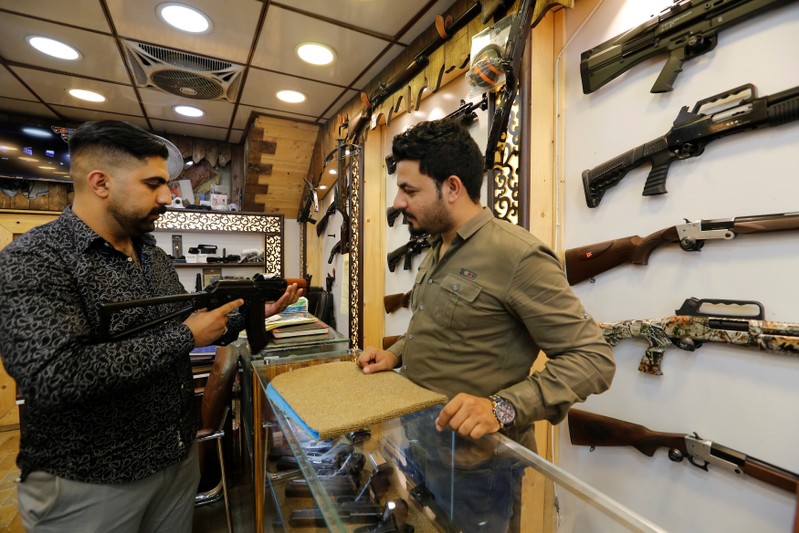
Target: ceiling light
[315, 53]
[332, 171]
[291, 97]
[322, 187]
[7, 148]
[36, 132]
[89, 96]
[184, 17]
[52, 47]
[31, 159]
[188, 111]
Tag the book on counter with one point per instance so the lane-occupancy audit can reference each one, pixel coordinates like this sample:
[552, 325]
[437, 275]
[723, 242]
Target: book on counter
[317, 327]
[286, 319]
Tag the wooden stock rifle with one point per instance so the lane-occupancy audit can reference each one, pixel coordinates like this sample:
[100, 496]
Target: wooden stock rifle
[589, 429]
[690, 327]
[587, 261]
[392, 302]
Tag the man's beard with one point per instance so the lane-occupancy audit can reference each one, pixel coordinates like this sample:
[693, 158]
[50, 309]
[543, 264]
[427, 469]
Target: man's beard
[436, 221]
[136, 225]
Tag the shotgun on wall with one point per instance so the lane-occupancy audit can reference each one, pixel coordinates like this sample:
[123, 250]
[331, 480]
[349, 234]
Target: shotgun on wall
[589, 429]
[585, 262]
[699, 321]
[685, 30]
[733, 111]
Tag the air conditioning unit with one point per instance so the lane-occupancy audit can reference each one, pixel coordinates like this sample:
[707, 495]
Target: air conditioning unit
[183, 74]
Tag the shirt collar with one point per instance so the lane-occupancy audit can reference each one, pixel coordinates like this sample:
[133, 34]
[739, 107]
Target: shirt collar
[475, 223]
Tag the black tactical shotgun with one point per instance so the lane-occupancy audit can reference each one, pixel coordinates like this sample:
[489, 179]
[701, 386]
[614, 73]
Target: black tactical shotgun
[685, 30]
[733, 111]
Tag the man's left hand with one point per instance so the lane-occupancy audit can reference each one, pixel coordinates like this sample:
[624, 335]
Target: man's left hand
[291, 295]
[470, 416]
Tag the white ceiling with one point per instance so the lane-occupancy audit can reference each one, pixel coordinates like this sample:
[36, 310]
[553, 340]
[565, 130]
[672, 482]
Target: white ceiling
[258, 35]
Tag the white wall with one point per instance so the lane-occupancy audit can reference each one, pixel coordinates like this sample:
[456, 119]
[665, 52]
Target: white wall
[735, 396]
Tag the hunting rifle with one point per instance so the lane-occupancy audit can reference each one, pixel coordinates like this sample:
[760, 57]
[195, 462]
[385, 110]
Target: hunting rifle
[684, 31]
[730, 112]
[587, 261]
[255, 292]
[589, 429]
[690, 327]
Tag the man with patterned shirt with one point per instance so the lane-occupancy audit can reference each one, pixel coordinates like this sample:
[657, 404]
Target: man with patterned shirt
[108, 434]
[487, 298]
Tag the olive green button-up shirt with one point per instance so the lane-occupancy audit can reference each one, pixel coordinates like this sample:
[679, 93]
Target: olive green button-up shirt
[482, 313]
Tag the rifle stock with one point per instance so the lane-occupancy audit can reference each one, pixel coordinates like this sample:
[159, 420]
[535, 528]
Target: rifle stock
[585, 262]
[393, 302]
[589, 429]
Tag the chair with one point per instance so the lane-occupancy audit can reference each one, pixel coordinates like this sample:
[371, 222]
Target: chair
[320, 305]
[216, 396]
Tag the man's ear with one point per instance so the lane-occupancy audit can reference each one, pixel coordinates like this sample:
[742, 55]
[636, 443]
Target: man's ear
[98, 181]
[452, 187]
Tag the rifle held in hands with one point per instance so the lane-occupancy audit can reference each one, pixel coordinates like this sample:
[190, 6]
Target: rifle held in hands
[690, 327]
[589, 429]
[255, 293]
[685, 30]
[733, 111]
[587, 261]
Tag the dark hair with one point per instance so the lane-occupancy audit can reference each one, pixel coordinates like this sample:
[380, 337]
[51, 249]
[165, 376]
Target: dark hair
[443, 148]
[117, 137]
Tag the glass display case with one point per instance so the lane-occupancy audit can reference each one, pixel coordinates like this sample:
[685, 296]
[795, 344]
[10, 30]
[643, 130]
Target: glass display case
[402, 476]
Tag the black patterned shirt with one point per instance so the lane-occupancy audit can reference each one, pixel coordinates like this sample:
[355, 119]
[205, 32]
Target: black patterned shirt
[95, 411]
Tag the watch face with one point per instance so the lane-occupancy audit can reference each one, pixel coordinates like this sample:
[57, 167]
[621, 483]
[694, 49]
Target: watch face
[504, 411]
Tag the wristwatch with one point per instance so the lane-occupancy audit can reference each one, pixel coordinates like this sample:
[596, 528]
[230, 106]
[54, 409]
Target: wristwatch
[503, 410]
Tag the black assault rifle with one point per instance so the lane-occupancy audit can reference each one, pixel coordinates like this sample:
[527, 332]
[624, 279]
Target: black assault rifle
[408, 250]
[587, 261]
[589, 429]
[255, 292]
[684, 31]
[733, 111]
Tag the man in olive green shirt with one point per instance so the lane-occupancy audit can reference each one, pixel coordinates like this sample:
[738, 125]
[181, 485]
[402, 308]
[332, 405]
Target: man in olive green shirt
[487, 298]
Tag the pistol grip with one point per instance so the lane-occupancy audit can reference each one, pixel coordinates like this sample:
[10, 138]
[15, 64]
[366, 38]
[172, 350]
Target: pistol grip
[254, 318]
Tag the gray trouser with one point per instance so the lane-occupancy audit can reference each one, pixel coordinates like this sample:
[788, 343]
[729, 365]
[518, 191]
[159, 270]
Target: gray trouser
[162, 502]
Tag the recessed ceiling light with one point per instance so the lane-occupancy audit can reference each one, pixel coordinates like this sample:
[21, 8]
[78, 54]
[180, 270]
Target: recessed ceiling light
[315, 53]
[89, 96]
[332, 171]
[184, 17]
[188, 111]
[52, 47]
[322, 187]
[292, 97]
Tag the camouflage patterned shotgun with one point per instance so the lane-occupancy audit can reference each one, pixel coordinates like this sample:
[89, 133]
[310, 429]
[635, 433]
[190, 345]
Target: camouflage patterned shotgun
[690, 327]
[589, 429]
[585, 262]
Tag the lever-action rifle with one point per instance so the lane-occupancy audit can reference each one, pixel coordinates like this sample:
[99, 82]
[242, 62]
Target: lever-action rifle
[587, 261]
[408, 250]
[589, 429]
[690, 327]
[685, 30]
[734, 111]
[255, 292]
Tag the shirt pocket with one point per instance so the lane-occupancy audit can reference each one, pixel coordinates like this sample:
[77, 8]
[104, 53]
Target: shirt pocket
[455, 307]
